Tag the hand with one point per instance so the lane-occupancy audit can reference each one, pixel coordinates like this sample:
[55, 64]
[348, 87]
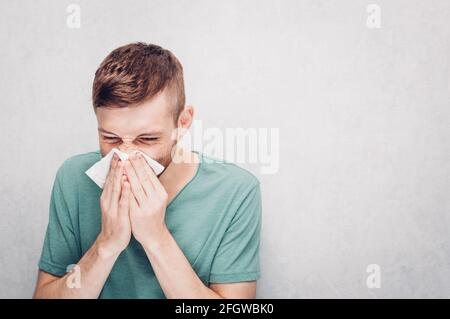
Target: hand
[114, 203]
[147, 203]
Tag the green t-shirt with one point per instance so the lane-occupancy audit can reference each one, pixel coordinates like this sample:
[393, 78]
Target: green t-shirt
[215, 220]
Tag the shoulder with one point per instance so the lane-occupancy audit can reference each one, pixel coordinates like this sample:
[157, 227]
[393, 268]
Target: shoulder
[229, 175]
[71, 183]
[236, 188]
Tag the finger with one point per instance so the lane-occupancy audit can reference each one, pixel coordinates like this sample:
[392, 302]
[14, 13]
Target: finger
[107, 186]
[151, 174]
[116, 185]
[142, 174]
[134, 206]
[124, 202]
[136, 187]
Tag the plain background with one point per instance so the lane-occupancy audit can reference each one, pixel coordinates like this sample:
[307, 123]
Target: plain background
[363, 114]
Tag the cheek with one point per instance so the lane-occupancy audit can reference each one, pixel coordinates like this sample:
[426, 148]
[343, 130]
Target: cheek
[105, 148]
[164, 147]
[156, 150]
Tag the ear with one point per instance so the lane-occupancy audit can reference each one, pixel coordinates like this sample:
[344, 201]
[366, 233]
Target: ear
[186, 117]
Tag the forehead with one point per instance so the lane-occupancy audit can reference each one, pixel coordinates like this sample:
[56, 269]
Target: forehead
[152, 115]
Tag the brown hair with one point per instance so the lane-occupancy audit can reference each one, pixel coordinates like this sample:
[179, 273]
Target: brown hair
[136, 72]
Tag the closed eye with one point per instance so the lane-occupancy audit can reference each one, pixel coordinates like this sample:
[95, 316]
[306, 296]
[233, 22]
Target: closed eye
[111, 138]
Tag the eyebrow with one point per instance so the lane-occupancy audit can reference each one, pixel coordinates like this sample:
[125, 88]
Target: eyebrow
[147, 133]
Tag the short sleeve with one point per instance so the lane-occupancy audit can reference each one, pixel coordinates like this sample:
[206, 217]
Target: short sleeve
[60, 247]
[237, 258]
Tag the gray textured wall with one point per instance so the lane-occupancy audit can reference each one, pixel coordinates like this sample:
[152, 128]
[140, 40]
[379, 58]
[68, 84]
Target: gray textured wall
[363, 114]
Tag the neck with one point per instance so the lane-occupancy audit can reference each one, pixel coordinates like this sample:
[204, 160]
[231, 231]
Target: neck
[180, 171]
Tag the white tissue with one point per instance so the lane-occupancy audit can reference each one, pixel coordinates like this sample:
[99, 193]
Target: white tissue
[99, 170]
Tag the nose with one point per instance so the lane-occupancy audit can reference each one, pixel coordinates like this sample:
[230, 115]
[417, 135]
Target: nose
[127, 146]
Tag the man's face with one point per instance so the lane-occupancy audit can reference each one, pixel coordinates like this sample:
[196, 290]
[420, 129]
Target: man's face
[147, 127]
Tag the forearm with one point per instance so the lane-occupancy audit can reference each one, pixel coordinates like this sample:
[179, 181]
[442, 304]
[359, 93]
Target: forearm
[174, 272]
[95, 267]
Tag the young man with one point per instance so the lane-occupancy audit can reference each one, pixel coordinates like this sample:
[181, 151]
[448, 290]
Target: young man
[191, 232]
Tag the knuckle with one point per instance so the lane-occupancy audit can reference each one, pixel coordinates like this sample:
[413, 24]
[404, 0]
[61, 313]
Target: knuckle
[161, 205]
[122, 204]
[116, 188]
[164, 197]
[103, 204]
